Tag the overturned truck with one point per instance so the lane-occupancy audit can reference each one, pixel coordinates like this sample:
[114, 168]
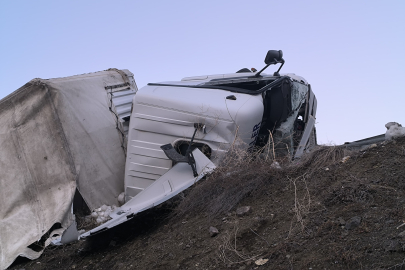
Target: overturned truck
[92, 138]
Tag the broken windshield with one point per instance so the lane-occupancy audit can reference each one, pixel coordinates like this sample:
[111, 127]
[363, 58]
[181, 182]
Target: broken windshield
[246, 83]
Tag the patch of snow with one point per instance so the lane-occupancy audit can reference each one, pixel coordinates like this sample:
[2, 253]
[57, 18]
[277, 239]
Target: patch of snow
[394, 130]
[121, 198]
[102, 214]
[275, 165]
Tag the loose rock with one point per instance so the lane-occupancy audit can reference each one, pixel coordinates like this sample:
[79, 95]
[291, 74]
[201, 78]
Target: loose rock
[341, 221]
[261, 261]
[345, 159]
[353, 223]
[393, 245]
[213, 231]
[241, 211]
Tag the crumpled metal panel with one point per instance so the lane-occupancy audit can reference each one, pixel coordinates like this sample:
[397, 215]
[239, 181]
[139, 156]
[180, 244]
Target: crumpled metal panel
[122, 101]
[120, 98]
[174, 181]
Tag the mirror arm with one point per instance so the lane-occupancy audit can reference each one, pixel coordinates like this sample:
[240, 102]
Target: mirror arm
[272, 58]
[276, 73]
[258, 73]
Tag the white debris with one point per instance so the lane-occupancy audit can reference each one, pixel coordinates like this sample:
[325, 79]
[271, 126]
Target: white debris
[243, 210]
[346, 158]
[394, 130]
[275, 165]
[261, 261]
[121, 198]
[102, 214]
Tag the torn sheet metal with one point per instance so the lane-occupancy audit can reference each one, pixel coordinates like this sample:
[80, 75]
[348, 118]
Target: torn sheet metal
[305, 137]
[174, 181]
[93, 131]
[38, 177]
[57, 135]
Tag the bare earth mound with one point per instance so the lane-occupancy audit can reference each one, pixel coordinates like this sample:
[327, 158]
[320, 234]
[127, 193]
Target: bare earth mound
[322, 214]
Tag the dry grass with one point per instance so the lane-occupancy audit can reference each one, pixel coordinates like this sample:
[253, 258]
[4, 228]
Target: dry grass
[239, 173]
[228, 250]
[300, 172]
[320, 157]
[242, 173]
[302, 203]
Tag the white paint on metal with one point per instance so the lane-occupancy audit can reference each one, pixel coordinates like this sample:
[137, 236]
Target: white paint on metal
[177, 179]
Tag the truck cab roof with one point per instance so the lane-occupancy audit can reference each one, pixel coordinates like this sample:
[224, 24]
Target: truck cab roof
[246, 83]
[218, 77]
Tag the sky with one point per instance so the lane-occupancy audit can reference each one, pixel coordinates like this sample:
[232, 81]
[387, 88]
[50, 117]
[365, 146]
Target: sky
[351, 52]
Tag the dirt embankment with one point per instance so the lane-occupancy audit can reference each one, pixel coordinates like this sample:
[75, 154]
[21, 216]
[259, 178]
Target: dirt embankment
[323, 214]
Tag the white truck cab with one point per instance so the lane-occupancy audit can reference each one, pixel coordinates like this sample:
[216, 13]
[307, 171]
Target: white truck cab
[239, 107]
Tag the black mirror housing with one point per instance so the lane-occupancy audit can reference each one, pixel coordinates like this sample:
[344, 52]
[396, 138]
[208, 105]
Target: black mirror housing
[273, 57]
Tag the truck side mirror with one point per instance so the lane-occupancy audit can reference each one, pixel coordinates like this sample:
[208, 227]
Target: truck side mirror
[273, 57]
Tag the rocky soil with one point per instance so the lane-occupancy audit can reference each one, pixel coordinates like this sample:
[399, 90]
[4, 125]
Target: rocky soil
[321, 214]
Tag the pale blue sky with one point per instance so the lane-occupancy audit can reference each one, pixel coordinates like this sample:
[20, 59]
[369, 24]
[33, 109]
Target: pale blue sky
[352, 52]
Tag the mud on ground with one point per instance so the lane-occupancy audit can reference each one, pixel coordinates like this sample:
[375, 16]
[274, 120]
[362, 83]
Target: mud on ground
[344, 215]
